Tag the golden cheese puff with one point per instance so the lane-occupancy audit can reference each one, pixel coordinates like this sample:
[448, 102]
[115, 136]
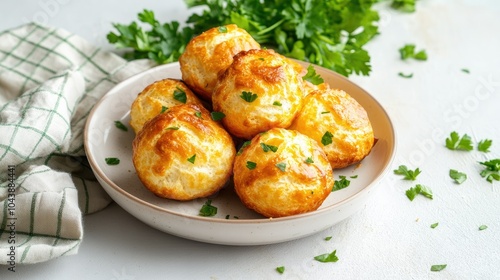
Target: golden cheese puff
[281, 173]
[183, 154]
[338, 123]
[210, 53]
[156, 97]
[260, 90]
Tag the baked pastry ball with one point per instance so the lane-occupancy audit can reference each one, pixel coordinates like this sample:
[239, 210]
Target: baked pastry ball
[338, 123]
[260, 90]
[157, 97]
[210, 53]
[281, 173]
[183, 154]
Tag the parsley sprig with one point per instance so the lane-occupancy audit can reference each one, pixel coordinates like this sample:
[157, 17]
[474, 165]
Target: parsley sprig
[455, 142]
[492, 170]
[407, 173]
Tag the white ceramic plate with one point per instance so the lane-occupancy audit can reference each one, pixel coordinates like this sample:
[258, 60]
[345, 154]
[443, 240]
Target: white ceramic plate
[234, 224]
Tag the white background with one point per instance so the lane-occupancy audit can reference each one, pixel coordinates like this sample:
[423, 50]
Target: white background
[390, 238]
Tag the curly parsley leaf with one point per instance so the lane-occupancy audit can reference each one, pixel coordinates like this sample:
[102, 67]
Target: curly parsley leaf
[459, 177]
[341, 184]
[328, 257]
[312, 77]
[407, 173]
[455, 142]
[492, 170]
[408, 51]
[248, 96]
[208, 210]
[484, 145]
[419, 189]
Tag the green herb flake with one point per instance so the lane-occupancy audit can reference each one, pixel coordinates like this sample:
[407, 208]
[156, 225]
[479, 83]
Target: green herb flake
[280, 269]
[327, 138]
[419, 189]
[192, 159]
[222, 29]
[243, 146]
[492, 170]
[438, 267]
[248, 96]
[180, 95]
[459, 177]
[408, 51]
[434, 225]
[217, 116]
[328, 238]
[483, 227]
[251, 165]
[277, 103]
[112, 161]
[312, 77]
[341, 184]
[407, 76]
[407, 173]
[121, 126]
[484, 145]
[198, 114]
[173, 128]
[465, 70]
[455, 142]
[354, 176]
[407, 6]
[266, 148]
[163, 109]
[325, 112]
[324, 258]
[208, 210]
[309, 160]
[227, 217]
[281, 166]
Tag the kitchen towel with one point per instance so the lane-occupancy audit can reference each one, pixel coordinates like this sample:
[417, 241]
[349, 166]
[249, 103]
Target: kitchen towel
[49, 81]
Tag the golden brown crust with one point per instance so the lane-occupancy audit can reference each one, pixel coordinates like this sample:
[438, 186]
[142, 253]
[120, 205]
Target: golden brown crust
[151, 101]
[163, 154]
[270, 77]
[336, 112]
[304, 183]
[209, 54]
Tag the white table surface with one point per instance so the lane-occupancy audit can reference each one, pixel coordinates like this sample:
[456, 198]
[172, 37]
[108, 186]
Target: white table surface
[390, 238]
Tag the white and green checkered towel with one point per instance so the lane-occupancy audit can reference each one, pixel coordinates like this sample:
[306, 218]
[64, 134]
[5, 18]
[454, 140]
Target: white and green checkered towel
[49, 81]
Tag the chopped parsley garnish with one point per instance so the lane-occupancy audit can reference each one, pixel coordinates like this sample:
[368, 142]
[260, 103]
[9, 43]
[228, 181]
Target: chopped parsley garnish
[243, 146]
[325, 112]
[408, 51]
[312, 77]
[120, 125]
[248, 96]
[354, 176]
[483, 227]
[173, 128]
[418, 189]
[455, 142]
[280, 269]
[327, 138]
[407, 6]
[341, 184]
[192, 159]
[251, 165]
[281, 166]
[198, 114]
[112, 161]
[434, 225]
[492, 170]
[309, 160]
[163, 109]
[217, 116]
[407, 173]
[438, 267]
[332, 257]
[208, 210]
[328, 238]
[222, 29]
[266, 148]
[459, 177]
[180, 95]
[277, 103]
[408, 76]
[484, 145]
[465, 70]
